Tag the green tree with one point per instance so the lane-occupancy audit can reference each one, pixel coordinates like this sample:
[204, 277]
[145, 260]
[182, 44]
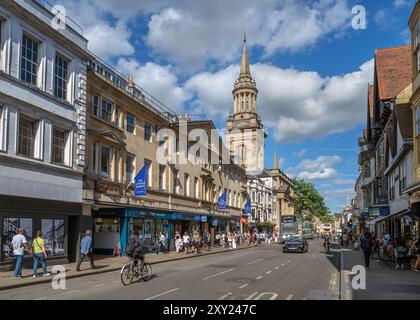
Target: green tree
[309, 201]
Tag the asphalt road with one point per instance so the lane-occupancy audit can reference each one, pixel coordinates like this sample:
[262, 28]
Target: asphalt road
[260, 273]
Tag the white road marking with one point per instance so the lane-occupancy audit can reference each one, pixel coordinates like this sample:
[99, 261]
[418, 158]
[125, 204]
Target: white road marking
[42, 298]
[273, 295]
[259, 277]
[162, 294]
[69, 292]
[99, 285]
[243, 286]
[252, 295]
[304, 298]
[116, 281]
[277, 267]
[268, 272]
[288, 261]
[255, 261]
[289, 297]
[218, 274]
[283, 264]
[225, 296]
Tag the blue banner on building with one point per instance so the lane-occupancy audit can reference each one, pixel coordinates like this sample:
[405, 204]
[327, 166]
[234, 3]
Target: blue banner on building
[222, 201]
[140, 182]
[247, 209]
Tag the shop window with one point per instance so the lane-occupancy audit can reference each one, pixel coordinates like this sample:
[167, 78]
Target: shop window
[103, 225]
[10, 229]
[149, 231]
[53, 234]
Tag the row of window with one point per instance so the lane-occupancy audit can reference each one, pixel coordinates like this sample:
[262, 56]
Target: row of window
[105, 109]
[402, 181]
[30, 70]
[30, 139]
[107, 163]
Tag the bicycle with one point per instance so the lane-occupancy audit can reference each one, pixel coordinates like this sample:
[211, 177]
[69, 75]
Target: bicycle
[130, 271]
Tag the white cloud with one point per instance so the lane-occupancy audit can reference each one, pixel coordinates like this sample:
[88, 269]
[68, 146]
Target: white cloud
[403, 3]
[300, 153]
[295, 104]
[157, 80]
[281, 162]
[320, 168]
[106, 39]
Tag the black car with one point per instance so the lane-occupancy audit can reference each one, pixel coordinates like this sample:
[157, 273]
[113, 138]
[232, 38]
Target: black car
[295, 244]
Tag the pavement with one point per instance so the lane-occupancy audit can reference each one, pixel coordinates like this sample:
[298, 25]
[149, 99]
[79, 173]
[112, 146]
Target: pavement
[382, 281]
[102, 264]
[260, 273]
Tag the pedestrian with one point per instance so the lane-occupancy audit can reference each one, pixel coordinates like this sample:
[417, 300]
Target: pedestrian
[178, 242]
[39, 252]
[416, 265]
[86, 250]
[206, 240]
[367, 246]
[19, 244]
[186, 241]
[345, 240]
[162, 243]
[233, 242]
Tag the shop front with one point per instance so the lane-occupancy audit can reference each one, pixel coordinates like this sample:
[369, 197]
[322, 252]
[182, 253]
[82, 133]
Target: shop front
[112, 227]
[58, 222]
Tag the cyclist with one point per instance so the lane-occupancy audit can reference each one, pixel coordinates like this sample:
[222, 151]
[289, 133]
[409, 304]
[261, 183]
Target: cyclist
[135, 249]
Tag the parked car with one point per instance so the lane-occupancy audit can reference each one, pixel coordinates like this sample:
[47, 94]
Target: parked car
[295, 244]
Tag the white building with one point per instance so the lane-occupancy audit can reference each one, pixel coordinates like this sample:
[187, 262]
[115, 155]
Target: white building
[43, 59]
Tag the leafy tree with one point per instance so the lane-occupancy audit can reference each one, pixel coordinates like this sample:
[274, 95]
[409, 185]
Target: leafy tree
[309, 201]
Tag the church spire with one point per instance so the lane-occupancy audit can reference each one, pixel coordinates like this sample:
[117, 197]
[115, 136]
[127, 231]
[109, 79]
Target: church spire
[245, 64]
[276, 161]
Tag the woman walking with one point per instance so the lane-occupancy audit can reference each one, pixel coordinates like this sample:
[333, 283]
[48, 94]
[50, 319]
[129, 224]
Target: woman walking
[186, 241]
[38, 247]
[178, 242]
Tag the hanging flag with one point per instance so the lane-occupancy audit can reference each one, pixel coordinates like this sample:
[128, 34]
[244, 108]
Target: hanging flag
[140, 182]
[222, 201]
[247, 209]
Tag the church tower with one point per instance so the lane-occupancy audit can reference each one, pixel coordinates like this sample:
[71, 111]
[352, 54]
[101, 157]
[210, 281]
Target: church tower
[245, 135]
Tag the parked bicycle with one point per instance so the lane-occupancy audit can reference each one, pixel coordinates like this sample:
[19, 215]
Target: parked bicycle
[132, 271]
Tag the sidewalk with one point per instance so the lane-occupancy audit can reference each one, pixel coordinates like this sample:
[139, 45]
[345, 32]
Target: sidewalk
[102, 264]
[382, 281]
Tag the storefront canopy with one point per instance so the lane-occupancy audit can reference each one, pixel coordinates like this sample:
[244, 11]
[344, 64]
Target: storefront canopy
[383, 218]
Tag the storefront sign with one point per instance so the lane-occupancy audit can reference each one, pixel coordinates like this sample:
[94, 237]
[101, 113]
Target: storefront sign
[140, 182]
[376, 212]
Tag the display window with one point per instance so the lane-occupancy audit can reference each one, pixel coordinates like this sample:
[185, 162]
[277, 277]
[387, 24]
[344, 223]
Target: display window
[10, 229]
[53, 234]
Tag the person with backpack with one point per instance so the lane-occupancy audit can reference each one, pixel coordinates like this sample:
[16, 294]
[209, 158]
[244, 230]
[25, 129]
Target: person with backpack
[135, 249]
[367, 245]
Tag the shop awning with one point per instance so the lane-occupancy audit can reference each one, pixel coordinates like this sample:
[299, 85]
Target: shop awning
[382, 218]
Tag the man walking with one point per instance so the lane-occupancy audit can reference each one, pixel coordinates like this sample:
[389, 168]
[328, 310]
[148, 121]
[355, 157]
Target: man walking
[19, 244]
[367, 245]
[86, 250]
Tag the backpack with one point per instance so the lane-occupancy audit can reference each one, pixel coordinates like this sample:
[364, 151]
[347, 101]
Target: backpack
[131, 246]
[367, 243]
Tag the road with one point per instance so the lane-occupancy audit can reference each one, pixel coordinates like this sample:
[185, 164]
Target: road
[260, 273]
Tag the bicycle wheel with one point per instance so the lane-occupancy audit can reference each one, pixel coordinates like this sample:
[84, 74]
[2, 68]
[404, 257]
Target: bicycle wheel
[146, 273]
[127, 275]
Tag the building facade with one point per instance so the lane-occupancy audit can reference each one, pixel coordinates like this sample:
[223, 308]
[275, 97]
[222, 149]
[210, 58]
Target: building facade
[126, 129]
[42, 127]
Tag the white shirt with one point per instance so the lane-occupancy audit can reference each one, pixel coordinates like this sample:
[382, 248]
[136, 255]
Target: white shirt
[186, 239]
[17, 244]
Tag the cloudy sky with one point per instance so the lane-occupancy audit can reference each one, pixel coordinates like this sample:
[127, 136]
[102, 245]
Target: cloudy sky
[311, 67]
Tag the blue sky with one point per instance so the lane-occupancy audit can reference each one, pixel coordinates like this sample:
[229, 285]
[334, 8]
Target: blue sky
[312, 68]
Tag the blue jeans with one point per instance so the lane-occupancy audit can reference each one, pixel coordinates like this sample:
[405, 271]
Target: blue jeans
[18, 268]
[37, 257]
